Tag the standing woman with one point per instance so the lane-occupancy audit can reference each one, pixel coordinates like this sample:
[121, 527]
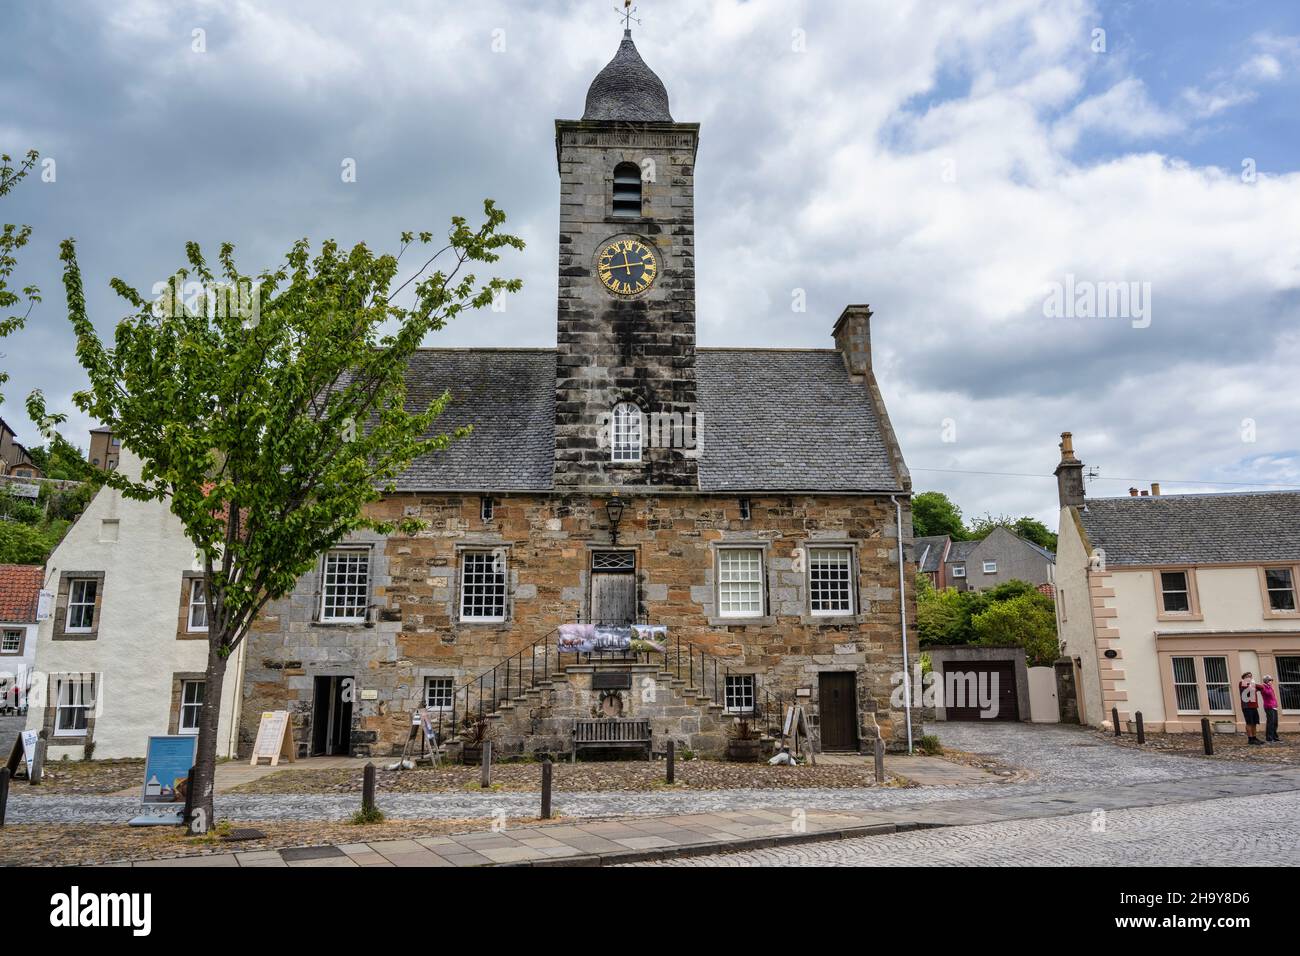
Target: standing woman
[1268, 697]
[1250, 707]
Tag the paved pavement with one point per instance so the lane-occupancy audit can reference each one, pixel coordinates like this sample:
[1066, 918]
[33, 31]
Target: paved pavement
[1263, 830]
[1059, 757]
[998, 822]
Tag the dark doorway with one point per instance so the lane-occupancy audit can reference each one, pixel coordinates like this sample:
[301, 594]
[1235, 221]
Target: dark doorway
[331, 718]
[613, 587]
[838, 708]
[981, 690]
[1067, 697]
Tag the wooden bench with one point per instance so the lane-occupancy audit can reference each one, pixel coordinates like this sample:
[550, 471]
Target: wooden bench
[605, 732]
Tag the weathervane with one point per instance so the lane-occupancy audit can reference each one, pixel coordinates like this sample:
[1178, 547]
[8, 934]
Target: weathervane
[626, 14]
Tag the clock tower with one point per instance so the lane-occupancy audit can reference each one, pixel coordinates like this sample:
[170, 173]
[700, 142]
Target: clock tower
[625, 403]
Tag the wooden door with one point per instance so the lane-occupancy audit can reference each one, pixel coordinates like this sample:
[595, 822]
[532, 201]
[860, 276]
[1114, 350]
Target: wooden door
[613, 588]
[838, 709]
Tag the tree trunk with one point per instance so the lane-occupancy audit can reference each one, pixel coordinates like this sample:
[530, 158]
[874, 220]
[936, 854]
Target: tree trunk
[202, 818]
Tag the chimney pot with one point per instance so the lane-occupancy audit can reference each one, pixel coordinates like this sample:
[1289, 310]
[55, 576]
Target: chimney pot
[1069, 475]
[1155, 488]
[1132, 492]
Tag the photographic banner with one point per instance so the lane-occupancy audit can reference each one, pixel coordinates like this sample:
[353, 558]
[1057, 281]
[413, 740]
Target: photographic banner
[597, 638]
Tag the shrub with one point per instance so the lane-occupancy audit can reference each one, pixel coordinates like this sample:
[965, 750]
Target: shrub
[929, 744]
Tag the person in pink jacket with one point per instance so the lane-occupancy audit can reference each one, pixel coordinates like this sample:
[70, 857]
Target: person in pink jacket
[1268, 700]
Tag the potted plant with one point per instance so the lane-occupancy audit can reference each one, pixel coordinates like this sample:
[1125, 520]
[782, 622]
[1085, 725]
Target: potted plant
[473, 731]
[744, 743]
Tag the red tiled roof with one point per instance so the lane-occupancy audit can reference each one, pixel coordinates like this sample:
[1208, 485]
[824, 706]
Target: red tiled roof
[20, 588]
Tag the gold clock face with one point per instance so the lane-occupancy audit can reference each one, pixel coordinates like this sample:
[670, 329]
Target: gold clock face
[627, 266]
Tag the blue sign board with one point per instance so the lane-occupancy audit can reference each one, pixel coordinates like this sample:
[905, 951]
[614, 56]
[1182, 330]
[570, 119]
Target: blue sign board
[166, 769]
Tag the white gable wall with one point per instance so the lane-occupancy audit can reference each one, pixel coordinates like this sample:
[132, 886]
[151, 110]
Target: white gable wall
[136, 652]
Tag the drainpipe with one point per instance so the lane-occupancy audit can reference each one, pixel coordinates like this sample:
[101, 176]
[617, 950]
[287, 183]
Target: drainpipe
[902, 619]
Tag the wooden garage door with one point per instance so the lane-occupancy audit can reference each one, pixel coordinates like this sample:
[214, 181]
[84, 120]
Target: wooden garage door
[996, 679]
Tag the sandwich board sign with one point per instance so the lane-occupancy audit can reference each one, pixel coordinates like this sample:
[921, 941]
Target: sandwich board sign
[274, 738]
[29, 739]
[167, 764]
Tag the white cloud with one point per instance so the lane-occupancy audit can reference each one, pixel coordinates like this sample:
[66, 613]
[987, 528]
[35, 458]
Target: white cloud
[926, 158]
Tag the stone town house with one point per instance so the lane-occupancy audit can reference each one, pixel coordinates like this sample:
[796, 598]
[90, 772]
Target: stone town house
[761, 490]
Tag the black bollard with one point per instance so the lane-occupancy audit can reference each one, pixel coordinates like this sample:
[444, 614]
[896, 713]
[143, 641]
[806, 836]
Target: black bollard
[1114, 717]
[368, 789]
[1142, 734]
[546, 788]
[672, 761]
[1206, 738]
[4, 793]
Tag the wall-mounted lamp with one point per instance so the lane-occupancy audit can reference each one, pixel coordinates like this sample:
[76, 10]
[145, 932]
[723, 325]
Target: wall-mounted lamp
[614, 511]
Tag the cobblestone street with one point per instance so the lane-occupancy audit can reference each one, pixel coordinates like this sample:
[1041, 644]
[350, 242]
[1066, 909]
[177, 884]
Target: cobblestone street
[1059, 757]
[1260, 831]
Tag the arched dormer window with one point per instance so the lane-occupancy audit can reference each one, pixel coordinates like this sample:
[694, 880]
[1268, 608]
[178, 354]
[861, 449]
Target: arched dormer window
[627, 191]
[625, 440]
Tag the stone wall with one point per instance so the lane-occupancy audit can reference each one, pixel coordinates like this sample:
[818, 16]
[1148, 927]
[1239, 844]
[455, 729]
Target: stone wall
[613, 349]
[415, 631]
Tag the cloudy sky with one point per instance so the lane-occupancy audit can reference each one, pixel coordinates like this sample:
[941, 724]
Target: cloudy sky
[951, 164]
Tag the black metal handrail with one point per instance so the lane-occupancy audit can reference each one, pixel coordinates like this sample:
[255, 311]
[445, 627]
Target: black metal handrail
[512, 676]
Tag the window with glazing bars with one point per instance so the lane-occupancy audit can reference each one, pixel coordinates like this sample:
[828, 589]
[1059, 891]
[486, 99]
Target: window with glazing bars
[830, 580]
[1281, 589]
[740, 693]
[437, 693]
[740, 582]
[76, 696]
[191, 706]
[198, 606]
[482, 586]
[346, 588]
[1174, 592]
[81, 604]
[625, 440]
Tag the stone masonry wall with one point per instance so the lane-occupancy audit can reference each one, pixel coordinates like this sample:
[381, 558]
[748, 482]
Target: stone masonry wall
[546, 539]
[613, 349]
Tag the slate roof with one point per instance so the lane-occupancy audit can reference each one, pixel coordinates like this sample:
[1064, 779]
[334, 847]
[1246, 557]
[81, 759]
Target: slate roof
[508, 395]
[929, 552]
[774, 420]
[787, 420]
[20, 589]
[961, 550]
[627, 89]
[1195, 529]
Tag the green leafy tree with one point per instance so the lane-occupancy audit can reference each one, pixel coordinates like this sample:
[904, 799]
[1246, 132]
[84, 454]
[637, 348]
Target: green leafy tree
[933, 513]
[13, 238]
[29, 543]
[269, 426]
[1028, 621]
[61, 459]
[942, 617]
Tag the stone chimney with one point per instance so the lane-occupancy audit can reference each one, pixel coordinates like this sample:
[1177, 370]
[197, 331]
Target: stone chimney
[853, 338]
[1069, 474]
